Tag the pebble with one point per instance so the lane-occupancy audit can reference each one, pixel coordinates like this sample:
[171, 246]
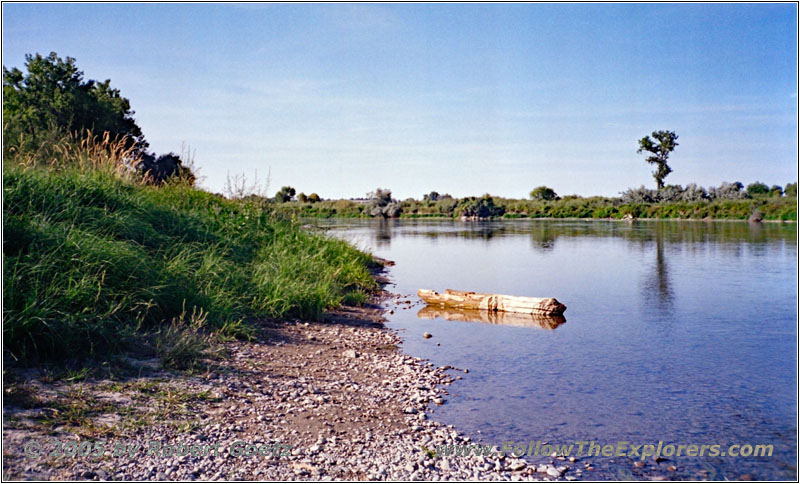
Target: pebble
[349, 414]
[427, 335]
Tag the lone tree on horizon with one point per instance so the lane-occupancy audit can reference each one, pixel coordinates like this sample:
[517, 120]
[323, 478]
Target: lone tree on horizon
[661, 146]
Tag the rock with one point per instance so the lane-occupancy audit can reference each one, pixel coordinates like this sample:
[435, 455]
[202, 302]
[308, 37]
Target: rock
[427, 335]
[350, 354]
[410, 410]
[628, 217]
[756, 216]
[638, 464]
[553, 472]
[672, 468]
[517, 465]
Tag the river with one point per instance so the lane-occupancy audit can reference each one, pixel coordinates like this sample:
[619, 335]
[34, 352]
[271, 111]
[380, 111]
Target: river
[678, 332]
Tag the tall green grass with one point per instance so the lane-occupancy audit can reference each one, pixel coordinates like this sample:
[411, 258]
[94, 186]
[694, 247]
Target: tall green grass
[92, 258]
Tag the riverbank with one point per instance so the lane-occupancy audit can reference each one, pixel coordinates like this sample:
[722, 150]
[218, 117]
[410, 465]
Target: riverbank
[340, 397]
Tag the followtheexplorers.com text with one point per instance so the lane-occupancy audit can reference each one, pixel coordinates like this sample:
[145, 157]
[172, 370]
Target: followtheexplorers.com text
[585, 448]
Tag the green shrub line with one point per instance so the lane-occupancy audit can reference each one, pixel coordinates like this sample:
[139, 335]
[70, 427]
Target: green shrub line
[92, 261]
[771, 208]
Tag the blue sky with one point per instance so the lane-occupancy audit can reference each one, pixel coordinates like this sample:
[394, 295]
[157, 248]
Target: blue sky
[467, 99]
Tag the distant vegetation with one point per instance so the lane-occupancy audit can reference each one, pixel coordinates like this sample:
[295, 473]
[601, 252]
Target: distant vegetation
[727, 201]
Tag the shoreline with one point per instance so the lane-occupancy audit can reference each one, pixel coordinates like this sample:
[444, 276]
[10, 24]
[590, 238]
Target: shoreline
[340, 392]
[583, 219]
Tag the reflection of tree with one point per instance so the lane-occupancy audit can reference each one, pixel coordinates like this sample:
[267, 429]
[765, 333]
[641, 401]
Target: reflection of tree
[383, 232]
[656, 288]
[543, 236]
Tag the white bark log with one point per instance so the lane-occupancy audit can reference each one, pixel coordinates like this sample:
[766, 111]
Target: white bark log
[493, 302]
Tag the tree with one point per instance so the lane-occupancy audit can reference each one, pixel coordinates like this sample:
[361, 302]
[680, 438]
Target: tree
[431, 197]
[776, 191]
[285, 194]
[543, 193]
[53, 96]
[790, 190]
[157, 171]
[302, 197]
[314, 198]
[757, 188]
[662, 144]
[484, 207]
[382, 204]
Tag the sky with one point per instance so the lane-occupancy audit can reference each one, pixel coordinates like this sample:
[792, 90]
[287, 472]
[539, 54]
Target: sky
[466, 99]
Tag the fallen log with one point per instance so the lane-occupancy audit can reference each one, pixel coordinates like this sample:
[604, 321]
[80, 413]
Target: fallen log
[492, 302]
[492, 317]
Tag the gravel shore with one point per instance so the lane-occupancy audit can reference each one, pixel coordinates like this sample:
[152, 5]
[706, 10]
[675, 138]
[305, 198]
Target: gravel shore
[329, 400]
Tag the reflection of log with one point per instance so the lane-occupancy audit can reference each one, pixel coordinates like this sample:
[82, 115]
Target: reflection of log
[492, 302]
[492, 317]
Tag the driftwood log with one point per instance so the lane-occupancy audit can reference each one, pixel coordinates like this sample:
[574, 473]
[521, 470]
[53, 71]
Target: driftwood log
[492, 317]
[492, 302]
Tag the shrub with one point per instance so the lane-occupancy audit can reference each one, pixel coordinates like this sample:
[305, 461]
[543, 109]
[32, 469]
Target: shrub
[381, 204]
[543, 193]
[757, 188]
[483, 207]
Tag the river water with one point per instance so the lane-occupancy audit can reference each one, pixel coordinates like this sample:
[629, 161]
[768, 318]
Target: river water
[679, 332]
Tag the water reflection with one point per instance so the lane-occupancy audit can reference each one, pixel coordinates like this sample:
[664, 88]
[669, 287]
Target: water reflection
[383, 233]
[656, 290]
[492, 317]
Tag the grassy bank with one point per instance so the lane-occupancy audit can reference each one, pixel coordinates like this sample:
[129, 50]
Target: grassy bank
[96, 262]
[771, 208]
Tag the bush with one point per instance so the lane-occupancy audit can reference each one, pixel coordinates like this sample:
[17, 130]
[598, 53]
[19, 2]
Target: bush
[285, 194]
[381, 204]
[757, 188]
[52, 99]
[543, 193]
[728, 191]
[483, 207]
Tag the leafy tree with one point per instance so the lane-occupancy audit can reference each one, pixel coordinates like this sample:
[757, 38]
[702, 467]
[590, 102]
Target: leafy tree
[157, 171]
[382, 204]
[757, 188]
[53, 96]
[285, 194]
[314, 198]
[431, 197]
[483, 207]
[776, 191]
[302, 197]
[790, 190]
[543, 193]
[727, 191]
[662, 144]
